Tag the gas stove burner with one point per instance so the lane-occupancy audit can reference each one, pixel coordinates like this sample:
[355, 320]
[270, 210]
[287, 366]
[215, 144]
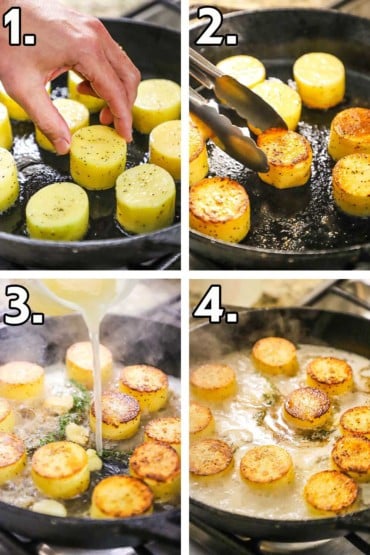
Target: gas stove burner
[287, 547]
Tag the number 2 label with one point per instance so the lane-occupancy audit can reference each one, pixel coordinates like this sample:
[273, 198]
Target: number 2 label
[209, 37]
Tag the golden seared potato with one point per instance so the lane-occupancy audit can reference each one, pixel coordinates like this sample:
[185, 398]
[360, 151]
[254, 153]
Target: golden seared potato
[329, 492]
[12, 456]
[330, 374]
[205, 131]
[213, 382]
[275, 355]
[92, 103]
[157, 100]
[202, 422]
[351, 184]
[320, 79]
[289, 156]
[210, 459]
[350, 133]
[220, 207]
[120, 415]
[165, 430]
[158, 465]
[307, 408]
[249, 71]
[75, 114]
[356, 421]
[121, 497]
[6, 134]
[60, 469]
[165, 147]
[14, 109]
[147, 384]
[198, 156]
[267, 466]
[79, 363]
[58, 212]
[97, 157]
[9, 185]
[7, 416]
[146, 199]
[21, 380]
[285, 101]
[351, 455]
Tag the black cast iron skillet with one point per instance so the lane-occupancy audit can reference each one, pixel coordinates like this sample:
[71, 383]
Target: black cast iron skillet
[156, 52]
[131, 340]
[300, 325]
[300, 227]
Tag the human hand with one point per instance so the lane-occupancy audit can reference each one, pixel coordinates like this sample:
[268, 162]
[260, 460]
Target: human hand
[66, 39]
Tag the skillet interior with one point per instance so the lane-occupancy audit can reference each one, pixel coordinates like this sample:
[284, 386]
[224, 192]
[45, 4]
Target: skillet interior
[131, 340]
[302, 221]
[38, 168]
[300, 325]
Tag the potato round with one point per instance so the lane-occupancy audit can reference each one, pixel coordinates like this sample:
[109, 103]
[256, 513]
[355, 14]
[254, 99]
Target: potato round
[9, 186]
[165, 430]
[330, 374]
[330, 492]
[249, 71]
[285, 101]
[275, 355]
[320, 79]
[92, 103]
[350, 133]
[213, 382]
[307, 408]
[120, 415]
[165, 147]
[157, 100]
[7, 417]
[60, 469]
[356, 421]
[351, 184]
[98, 157]
[21, 380]
[351, 455]
[147, 384]
[12, 456]
[205, 131]
[14, 109]
[267, 466]
[289, 156]
[121, 497]
[198, 156]
[202, 422]
[6, 135]
[80, 367]
[210, 458]
[74, 113]
[220, 207]
[158, 465]
[58, 212]
[146, 199]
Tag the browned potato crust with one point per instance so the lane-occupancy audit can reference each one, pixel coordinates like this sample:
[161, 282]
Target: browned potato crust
[210, 457]
[351, 454]
[307, 407]
[330, 491]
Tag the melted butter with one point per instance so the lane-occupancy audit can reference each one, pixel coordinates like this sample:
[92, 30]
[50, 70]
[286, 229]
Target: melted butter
[254, 417]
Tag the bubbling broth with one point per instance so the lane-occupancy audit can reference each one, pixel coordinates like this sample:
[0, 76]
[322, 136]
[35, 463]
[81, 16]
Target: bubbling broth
[254, 417]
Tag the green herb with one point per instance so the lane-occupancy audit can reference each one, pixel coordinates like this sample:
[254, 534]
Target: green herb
[259, 416]
[115, 455]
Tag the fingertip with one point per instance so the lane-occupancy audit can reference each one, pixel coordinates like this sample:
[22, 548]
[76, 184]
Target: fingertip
[62, 146]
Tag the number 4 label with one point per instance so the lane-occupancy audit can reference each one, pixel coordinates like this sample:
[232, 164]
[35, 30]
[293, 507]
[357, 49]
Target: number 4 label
[210, 306]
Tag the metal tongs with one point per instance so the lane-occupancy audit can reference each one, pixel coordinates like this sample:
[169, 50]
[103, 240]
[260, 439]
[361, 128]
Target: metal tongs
[244, 101]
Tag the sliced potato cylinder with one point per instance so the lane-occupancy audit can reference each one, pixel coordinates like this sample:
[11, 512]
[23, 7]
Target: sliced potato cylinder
[147, 384]
[165, 147]
[74, 113]
[16, 111]
[275, 355]
[12, 456]
[121, 497]
[165, 430]
[351, 455]
[351, 184]
[249, 71]
[7, 416]
[92, 103]
[146, 199]
[98, 157]
[60, 469]
[205, 131]
[80, 367]
[307, 408]
[9, 185]
[6, 134]
[198, 156]
[210, 459]
[21, 380]
[267, 467]
[157, 100]
[356, 421]
[289, 156]
[58, 212]
[213, 382]
[120, 415]
[329, 492]
[285, 101]
[330, 374]
[158, 465]
[320, 79]
[202, 422]
[350, 133]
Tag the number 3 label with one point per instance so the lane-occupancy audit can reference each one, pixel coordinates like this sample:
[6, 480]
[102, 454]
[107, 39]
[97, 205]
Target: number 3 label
[18, 297]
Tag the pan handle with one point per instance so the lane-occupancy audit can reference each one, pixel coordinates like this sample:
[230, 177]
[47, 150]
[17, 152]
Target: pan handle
[357, 522]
